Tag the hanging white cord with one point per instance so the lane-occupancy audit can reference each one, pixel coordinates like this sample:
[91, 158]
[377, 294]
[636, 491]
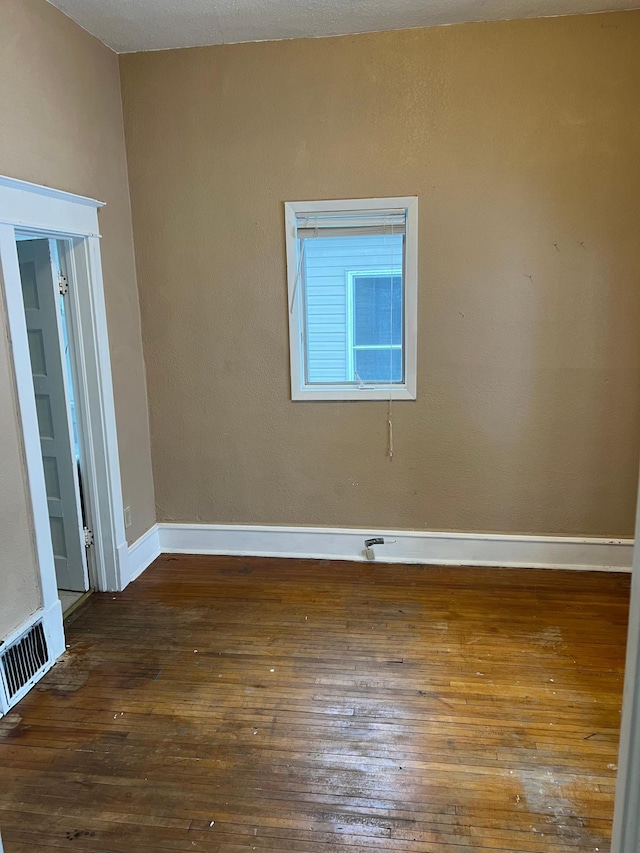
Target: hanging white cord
[298, 274]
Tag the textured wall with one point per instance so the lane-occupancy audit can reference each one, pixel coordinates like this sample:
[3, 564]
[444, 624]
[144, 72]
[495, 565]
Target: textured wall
[522, 140]
[19, 579]
[62, 126]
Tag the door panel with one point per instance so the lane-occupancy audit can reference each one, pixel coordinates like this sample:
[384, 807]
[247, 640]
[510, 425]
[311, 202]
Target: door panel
[44, 329]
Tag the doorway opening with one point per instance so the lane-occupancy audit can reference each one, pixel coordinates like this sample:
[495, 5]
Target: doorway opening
[61, 360]
[45, 282]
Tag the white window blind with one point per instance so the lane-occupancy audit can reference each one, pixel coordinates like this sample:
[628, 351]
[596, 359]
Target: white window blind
[343, 224]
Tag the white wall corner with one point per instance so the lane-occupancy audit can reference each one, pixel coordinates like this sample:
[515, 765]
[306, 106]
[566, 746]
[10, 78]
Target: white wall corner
[625, 837]
[143, 552]
[122, 573]
[54, 630]
[401, 546]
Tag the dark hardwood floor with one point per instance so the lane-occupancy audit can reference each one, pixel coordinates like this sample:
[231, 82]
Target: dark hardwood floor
[227, 705]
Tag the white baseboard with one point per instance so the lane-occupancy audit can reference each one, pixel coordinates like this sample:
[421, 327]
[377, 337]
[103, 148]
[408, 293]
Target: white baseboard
[54, 633]
[118, 582]
[143, 552]
[401, 546]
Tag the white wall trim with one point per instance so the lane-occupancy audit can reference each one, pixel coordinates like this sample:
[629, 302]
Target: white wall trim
[11, 286]
[143, 552]
[36, 207]
[48, 192]
[53, 213]
[81, 262]
[625, 836]
[403, 546]
[52, 623]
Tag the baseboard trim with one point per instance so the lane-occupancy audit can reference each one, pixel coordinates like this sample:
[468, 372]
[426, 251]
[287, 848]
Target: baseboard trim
[402, 546]
[54, 632]
[143, 552]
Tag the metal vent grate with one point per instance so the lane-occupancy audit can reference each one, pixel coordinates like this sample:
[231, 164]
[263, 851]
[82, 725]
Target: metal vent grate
[24, 659]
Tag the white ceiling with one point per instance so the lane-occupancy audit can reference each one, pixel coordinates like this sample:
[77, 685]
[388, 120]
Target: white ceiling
[133, 25]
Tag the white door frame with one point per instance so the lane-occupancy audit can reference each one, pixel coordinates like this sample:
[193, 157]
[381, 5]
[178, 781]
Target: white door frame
[626, 819]
[52, 213]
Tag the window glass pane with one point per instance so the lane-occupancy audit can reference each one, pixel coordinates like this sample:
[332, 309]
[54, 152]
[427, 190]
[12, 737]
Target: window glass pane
[327, 264]
[377, 302]
[379, 365]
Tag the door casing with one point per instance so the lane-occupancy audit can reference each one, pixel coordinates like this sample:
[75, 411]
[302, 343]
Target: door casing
[41, 211]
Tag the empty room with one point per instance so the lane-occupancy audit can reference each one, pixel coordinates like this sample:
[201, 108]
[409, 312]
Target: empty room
[319, 426]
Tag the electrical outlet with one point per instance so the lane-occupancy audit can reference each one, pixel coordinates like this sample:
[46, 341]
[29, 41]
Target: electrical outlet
[127, 516]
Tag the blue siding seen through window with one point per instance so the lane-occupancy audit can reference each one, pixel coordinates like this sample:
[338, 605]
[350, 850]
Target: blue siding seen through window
[352, 288]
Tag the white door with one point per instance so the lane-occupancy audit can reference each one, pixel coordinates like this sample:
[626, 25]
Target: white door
[40, 292]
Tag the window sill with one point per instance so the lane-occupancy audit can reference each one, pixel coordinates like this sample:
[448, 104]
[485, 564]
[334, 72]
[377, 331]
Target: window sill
[353, 394]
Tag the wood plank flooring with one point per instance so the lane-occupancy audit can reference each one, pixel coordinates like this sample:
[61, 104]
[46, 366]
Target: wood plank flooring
[229, 705]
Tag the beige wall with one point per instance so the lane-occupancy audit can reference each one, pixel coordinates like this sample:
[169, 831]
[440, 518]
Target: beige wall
[522, 141]
[19, 579]
[61, 125]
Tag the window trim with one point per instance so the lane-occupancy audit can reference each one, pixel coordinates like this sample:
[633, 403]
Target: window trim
[300, 390]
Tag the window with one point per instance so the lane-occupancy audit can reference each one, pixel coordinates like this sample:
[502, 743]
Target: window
[352, 270]
[375, 339]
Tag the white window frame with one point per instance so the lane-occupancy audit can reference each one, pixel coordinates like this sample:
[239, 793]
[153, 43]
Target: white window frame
[300, 389]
